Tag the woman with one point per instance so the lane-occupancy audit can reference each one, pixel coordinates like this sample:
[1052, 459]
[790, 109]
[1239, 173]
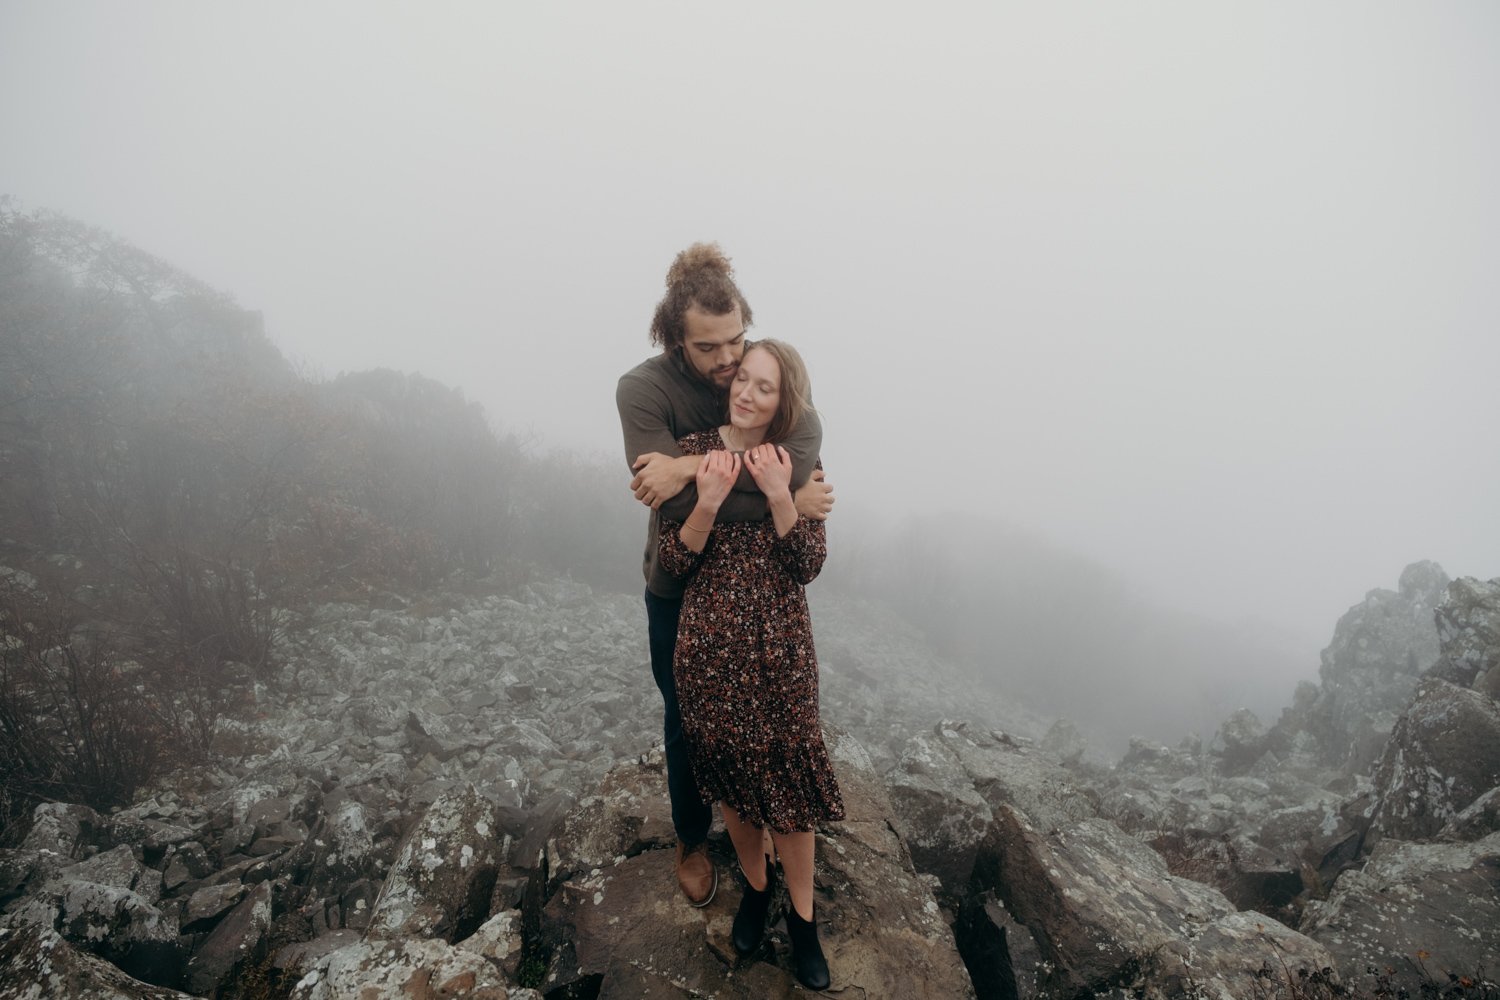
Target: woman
[746, 674]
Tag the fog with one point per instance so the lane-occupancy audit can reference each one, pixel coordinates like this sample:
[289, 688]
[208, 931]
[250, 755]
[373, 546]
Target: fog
[1206, 295]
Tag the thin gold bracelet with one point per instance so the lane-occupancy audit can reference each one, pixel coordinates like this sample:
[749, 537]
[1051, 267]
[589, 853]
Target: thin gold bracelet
[694, 527]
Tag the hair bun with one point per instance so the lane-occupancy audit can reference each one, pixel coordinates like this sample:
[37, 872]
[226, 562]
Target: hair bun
[696, 262]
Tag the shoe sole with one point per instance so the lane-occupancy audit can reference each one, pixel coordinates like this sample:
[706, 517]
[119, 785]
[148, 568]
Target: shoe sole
[712, 890]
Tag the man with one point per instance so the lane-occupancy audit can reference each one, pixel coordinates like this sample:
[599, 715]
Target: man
[700, 325]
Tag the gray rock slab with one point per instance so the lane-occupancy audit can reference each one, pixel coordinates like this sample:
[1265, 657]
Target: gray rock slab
[1421, 910]
[37, 964]
[1443, 754]
[1108, 914]
[441, 882]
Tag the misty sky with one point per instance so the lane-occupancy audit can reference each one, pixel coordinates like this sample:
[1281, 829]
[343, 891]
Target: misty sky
[1209, 293]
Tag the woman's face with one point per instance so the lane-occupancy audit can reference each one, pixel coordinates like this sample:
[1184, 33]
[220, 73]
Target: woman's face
[755, 391]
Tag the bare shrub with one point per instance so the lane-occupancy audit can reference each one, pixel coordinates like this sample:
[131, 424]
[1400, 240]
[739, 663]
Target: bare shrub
[79, 722]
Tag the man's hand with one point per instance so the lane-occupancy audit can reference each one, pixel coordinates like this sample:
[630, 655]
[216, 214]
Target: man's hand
[661, 477]
[815, 498]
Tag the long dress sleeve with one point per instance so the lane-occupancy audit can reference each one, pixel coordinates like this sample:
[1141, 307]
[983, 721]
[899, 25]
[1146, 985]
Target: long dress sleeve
[676, 558]
[802, 550]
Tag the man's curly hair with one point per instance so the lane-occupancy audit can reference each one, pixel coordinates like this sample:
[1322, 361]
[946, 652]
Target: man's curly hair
[701, 275]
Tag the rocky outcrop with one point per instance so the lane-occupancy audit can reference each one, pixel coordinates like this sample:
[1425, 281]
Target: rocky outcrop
[1414, 916]
[1380, 648]
[444, 873]
[310, 863]
[1468, 627]
[1107, 915]
[948, 783]
[617, 925]
[37, 964]
[1444, 754]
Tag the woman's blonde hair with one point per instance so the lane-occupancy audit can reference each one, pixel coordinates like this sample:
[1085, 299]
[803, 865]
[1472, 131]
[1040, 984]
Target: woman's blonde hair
[796, 388]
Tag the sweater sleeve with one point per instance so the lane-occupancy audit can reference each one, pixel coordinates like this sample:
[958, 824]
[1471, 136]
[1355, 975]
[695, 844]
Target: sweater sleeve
[644, 418]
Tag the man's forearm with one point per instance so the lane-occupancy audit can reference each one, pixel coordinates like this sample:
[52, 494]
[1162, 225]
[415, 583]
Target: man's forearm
[736, 507]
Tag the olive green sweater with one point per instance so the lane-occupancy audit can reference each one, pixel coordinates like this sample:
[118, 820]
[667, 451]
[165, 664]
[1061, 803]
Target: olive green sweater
[662, 399]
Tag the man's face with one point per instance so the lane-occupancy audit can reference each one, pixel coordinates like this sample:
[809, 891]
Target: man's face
[713, 345]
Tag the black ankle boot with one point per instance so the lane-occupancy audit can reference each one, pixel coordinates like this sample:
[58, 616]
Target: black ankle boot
[807, 953]
[750, 919]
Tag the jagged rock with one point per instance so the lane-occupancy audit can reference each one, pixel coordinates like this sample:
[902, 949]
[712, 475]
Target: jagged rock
[1064, 742]
[1468, 627]
[622, 929]
[410, 969]
[1001, 954]
[121, 926]
[206, 905]
[1379, 649]
[1414, 907]
[119, 868]
[1240, 740]
[499, 939]
[338, 853]
[1108, 915]
[297, 958]
[37, 964]
[444, 873]
[1444, 754]
[61, 827]
[1479, 818]
[239, 938]
[629, 814]
[19, 869]
[947, 785]
[187, 862]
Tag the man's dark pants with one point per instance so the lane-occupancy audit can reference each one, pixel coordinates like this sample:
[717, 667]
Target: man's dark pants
[690, 816]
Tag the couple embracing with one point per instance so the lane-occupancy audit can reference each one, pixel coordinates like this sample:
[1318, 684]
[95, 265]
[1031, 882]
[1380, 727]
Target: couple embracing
[724, 443]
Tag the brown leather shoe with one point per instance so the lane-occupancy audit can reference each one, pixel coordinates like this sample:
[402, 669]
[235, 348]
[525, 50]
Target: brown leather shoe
[696, 874]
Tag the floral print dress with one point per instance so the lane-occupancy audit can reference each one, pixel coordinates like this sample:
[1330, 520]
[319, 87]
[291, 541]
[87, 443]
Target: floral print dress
[746, 672]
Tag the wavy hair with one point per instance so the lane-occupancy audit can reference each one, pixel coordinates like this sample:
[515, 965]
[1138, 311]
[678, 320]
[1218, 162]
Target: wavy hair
[701, 275]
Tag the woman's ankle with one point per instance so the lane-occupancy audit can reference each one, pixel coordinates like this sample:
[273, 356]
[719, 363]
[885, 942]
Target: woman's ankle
[764, 875]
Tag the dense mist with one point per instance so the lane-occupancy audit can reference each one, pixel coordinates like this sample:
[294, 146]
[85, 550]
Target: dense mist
[1145, 342]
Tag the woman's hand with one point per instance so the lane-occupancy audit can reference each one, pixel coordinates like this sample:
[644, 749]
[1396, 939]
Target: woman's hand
[771, 467]
[717, 472]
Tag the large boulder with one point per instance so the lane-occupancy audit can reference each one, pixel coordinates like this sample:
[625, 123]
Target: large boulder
[1468, 627]
[948, 783]
[1443, 755]
[1107, 915]
[621, 929]
[444, 872]
[62, 828]
[36, 963]
[1415, 915]
[237, 941]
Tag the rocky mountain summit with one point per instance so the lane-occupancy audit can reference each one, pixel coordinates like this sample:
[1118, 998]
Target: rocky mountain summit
[463, 800]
